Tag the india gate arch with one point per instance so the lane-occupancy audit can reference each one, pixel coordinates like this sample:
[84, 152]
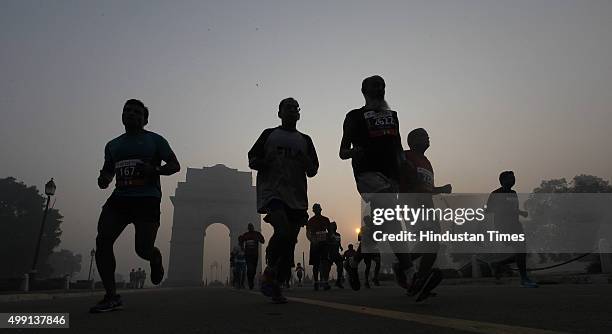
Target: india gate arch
[209, 195]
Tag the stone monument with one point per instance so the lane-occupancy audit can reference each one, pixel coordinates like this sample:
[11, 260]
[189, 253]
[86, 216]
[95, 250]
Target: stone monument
[210, 195]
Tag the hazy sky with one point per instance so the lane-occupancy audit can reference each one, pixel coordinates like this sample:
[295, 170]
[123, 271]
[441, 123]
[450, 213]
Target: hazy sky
[522, 85]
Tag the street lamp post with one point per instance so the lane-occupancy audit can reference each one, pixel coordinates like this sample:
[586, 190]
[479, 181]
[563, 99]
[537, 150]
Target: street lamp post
[92, 253]
[49, 191]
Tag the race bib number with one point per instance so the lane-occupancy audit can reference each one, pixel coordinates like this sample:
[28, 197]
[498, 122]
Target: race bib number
[380, 123]
[130, 173]
[319, 236]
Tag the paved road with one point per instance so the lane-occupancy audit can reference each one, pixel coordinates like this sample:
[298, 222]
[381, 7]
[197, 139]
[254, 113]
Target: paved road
[458, 309]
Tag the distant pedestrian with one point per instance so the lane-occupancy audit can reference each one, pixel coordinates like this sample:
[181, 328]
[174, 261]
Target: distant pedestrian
[239, 261]
[141, 275]
[334, 247]
[299, 272]
[249, 242]
[132, 279]
[316, 232]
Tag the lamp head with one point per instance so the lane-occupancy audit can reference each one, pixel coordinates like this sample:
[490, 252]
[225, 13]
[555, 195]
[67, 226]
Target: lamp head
[50, 188]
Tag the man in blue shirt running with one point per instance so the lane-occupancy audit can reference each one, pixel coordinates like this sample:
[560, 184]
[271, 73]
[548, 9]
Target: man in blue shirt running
[134, 160]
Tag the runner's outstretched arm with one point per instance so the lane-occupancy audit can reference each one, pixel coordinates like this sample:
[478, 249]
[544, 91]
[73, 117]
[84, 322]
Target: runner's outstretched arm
[167, 155]
[312, 161]
[172, 165]
[108, 170]
[346, 152]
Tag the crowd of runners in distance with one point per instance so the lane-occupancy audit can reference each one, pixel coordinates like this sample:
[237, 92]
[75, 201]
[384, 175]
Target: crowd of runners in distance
[284, 158]
[137, 278]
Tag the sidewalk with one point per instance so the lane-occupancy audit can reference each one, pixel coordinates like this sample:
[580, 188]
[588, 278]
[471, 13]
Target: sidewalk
[16, 296]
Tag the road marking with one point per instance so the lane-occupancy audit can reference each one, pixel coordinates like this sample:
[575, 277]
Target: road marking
[431, 320]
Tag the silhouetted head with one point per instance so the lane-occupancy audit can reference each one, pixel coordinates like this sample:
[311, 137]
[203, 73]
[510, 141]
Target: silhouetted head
[289, 112]
[251, 227]
[418, 140]
[316, 208]
[139, 269]
[507, 179]
[132, 269]
[135, 115]
[299, 264]
[332, 227]
[350, 246]
[373, 87]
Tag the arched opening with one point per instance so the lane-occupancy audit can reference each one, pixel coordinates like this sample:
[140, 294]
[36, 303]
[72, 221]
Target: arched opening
[216, 254]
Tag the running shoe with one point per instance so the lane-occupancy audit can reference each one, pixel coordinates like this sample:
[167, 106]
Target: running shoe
[157, 268]
[339, 284]
[276, 293]
[430, 282]
[402, 275]
[527, 283]
[279, 300]
[109, 303]
[268, 284]
[413, 286]
[376, 282]
[366, 284]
